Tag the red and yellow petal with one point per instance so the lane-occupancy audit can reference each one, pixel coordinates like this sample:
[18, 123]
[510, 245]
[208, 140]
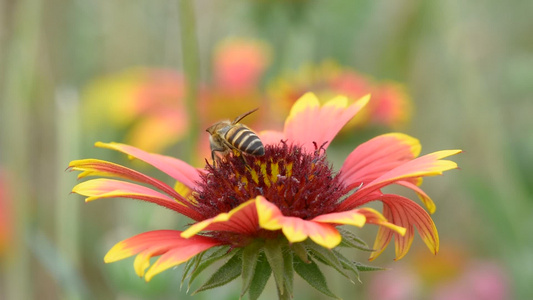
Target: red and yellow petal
[406, 213]
[296, 229]
[377, 156]
[175, 168]
[241, 219]
[359, 217]
[309, 122]
[96, 167]
[428, 202]
[427, 165]
[173, 249]
[110, 188]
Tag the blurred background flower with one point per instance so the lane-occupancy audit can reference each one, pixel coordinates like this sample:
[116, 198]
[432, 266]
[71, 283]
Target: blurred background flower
[456, 74]
[6, 211]
[453, 274]
[146, 104]
[390, 106]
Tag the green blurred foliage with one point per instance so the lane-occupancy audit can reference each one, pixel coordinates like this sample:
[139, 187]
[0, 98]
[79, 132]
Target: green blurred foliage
[467, 64]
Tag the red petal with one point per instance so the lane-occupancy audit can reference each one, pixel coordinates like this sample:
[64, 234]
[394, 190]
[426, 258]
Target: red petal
[377, 156]
[405, 213]
[96, 167]
[168, 243]
[308, 122]
[271, 137]
[241, 219]
[177, 169]
[427, 165]
[110, 188]
[296, 229]
[430, 205]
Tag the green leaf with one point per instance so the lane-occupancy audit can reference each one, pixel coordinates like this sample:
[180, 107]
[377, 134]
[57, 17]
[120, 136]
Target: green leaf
[274, 256]
[365, 268]
[261, 275]
[327, 257]
[348, 264]
[249, 261]
[221, 253]
[349, 239]
[229, 271]
[288, 271]
[312, 274]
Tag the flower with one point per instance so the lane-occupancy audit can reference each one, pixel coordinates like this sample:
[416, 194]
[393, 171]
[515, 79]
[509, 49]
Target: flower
[6, 212]
[390, 106]
[148, 102]
[455, 274]
[239, 64]
[280, 212]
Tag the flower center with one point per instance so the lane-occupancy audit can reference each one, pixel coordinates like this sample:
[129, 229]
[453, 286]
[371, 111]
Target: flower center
[301, 184]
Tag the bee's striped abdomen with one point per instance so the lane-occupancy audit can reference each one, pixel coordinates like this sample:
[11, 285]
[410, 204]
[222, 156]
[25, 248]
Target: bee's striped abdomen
[245, 140]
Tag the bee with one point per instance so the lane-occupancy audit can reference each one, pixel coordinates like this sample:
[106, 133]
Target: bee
[225, 137]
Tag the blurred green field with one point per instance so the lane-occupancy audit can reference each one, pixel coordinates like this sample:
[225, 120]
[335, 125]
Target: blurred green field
[467, 67]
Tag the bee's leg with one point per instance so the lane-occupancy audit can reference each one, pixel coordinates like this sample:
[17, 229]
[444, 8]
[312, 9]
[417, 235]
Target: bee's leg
[245, 162]
[213, 158]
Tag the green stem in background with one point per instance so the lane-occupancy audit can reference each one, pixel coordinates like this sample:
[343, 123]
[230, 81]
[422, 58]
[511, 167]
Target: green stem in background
[191, 64]
[67, 210]
[18, 67]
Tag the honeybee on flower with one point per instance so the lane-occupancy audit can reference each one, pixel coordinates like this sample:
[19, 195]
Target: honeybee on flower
[226, 136]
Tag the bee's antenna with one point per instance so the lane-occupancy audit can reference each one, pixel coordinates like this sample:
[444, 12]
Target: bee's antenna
[239, 118]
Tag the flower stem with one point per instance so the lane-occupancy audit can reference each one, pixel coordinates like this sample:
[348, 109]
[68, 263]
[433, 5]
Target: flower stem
[189, 45]
[17, 92]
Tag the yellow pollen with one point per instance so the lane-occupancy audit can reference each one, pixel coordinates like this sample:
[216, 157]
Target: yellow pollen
[289, 170]
[255, 177]
[268, 180]
[275, 172]
[243, 179]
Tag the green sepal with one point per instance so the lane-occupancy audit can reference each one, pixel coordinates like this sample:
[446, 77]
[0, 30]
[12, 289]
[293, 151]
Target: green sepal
[327, 257]
[260, 277]
[288, 272]
[250, 255]
[274, 256]
[300, 251]
[219, 254]
[190, 266]
[349, 239]
[228, 272]
[312, 274]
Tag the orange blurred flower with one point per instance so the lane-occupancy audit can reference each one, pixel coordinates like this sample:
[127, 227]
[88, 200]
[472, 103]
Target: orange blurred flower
[6, 228]
[239, 65]
[390, 106]
[149, 103]
[453, 274]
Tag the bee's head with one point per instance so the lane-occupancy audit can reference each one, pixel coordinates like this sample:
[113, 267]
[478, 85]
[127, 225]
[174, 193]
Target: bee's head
[215, 127]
